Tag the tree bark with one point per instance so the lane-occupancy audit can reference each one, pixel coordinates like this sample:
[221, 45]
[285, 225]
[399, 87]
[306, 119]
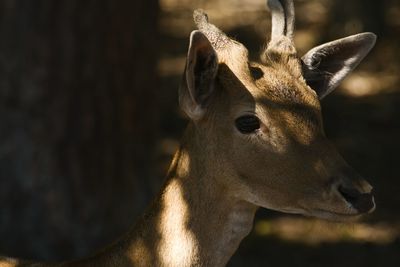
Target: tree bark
[77, 122]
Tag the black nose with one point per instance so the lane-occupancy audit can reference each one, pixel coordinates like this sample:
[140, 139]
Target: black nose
[363, 202]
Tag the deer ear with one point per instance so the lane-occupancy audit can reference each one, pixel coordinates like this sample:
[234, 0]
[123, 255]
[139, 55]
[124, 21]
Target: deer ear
[325, 66]
[200, 72]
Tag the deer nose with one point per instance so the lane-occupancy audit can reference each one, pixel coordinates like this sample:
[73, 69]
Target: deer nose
[362, 202]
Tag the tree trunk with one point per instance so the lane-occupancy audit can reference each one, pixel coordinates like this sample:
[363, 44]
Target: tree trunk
[77, 123]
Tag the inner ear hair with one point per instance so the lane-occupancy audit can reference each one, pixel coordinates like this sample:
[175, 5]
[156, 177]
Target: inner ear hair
[200, 72]
[325, 66]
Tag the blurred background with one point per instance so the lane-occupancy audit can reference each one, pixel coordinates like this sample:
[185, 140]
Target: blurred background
[89, 120]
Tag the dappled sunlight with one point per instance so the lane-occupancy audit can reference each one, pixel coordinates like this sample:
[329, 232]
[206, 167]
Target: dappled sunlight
[171, 66]
[304, 40]
[314, 231]
[393, 16]
[218, 9]
[361, 84]
[91, 106]
[233, 13]
[177, 243]
[8, 262]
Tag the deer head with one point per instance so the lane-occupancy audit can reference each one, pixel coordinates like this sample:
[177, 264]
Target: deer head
[259, 124]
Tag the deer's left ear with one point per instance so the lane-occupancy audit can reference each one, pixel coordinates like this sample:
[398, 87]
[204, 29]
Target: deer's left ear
[325, 66]
[198, 81]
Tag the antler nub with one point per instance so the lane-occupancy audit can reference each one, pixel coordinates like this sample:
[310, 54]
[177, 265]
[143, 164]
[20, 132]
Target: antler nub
[288, 6]
[200, 18]
[277, 17]
[217, 38]
[282, 14]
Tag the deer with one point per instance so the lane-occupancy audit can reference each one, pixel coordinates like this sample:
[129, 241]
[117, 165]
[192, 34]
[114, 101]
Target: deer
[255, 139]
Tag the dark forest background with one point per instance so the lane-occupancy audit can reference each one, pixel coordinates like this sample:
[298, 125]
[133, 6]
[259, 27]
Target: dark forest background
[89, 121]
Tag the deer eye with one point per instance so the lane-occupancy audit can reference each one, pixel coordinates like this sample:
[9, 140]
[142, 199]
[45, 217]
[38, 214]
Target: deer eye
[257, 73]
[247, 124]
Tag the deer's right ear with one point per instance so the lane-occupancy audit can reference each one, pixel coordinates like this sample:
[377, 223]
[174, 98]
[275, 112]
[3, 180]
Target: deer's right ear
[200, 72]
[325, 66]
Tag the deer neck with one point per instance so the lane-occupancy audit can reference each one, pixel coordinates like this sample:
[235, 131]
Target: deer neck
[195, 221]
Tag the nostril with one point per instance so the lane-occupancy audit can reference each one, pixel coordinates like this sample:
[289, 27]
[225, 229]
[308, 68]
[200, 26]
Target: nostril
[349, 194]
[363, 202]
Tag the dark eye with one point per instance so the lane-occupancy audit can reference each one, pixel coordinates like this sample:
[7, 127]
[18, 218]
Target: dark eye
[257, 73]
[247, 124]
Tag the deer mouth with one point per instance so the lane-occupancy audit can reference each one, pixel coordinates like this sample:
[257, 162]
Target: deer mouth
[335, 216]
[350, 213]
[345, 202]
